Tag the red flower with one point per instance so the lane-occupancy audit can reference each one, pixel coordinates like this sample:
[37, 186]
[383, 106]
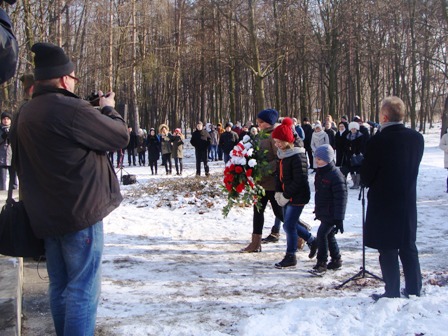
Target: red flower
[228, 187]
[238, 169]
[240, 188]
[249, 172]
[228, 178]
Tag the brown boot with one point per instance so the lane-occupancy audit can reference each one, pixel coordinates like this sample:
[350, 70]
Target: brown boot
[254, 246]
[300, 243]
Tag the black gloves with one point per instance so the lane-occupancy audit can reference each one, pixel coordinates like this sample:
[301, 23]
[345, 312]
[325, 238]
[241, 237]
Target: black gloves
[339, 226]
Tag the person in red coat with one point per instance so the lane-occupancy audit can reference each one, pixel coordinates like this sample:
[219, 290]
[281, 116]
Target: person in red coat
[390, 168]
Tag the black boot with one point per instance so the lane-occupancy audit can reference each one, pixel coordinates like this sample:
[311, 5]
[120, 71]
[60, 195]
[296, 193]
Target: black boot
[320, 267]
[288, 261]
[334, 264]
[313, 247]
[272, 238]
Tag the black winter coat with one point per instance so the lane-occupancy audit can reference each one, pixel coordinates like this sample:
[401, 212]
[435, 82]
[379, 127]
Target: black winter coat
[308, 129]
[389, 170]
[228, 140]
[331, 137]
[292, 178]
[355, 146]
[331, 194]
[200, 140]
[132, 144]
[153, 144]
[341, 144]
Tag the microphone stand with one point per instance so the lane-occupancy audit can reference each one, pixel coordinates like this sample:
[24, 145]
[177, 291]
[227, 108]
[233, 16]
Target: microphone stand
[363, 272]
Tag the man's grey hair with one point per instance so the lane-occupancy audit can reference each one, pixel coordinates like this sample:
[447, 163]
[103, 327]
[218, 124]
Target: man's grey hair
[394, 108]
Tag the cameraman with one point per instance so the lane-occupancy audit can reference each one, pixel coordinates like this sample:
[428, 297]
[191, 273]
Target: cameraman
[67, 183]
[9, 49]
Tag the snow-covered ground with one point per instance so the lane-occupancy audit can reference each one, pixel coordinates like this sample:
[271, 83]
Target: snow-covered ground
[171, 265]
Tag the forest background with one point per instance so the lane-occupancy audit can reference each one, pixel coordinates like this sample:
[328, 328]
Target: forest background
[180, 61]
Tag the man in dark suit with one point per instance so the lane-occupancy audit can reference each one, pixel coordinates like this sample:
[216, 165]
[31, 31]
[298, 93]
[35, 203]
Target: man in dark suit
[389, 170]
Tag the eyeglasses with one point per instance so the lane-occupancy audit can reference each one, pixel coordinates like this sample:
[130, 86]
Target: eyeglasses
[76, 79]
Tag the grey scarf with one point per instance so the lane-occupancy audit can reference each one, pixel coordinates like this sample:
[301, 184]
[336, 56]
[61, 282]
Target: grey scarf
[282, 154]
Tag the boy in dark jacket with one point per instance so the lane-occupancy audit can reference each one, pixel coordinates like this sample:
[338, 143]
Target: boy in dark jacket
[330, 203]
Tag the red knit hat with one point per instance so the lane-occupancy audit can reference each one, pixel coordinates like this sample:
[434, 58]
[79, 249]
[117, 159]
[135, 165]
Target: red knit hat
[284, 131]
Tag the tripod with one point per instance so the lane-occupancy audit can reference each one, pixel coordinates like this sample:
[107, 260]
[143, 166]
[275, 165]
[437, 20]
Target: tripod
[363, 272]
[120, 166]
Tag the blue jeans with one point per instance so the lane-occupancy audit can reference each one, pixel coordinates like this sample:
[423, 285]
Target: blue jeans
[213, 154]
[291, 214]
[74, 269]
[326, 241]
[302, 232]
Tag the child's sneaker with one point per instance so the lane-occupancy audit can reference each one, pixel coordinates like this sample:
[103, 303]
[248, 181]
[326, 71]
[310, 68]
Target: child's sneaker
[334, 264]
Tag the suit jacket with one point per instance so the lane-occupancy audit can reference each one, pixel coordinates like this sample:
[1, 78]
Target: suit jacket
[390, 168]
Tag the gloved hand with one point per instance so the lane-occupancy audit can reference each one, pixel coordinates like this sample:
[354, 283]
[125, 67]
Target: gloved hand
[339, 226]
[281, 200]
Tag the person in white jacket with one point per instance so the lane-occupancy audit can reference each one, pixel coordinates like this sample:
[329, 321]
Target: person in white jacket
[444, 146]
[318, 139]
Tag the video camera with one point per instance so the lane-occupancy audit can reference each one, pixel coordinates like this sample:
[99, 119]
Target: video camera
[94, 98]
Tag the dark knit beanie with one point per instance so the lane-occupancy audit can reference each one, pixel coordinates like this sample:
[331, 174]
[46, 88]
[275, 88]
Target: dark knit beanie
[50, 61]
[284, 131]
[6, 115]
[325, 153]
[269, 116]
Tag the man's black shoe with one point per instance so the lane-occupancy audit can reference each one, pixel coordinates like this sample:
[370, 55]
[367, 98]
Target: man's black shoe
[376, 297]
[405, 293]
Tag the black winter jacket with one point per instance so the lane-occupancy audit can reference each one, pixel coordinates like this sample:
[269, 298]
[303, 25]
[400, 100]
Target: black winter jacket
[292, 178]
[331, 194]
[200, 140]
[153, 144]
[228, 140]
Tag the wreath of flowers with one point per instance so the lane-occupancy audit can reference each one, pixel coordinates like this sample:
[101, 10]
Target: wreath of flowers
[242, 172]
